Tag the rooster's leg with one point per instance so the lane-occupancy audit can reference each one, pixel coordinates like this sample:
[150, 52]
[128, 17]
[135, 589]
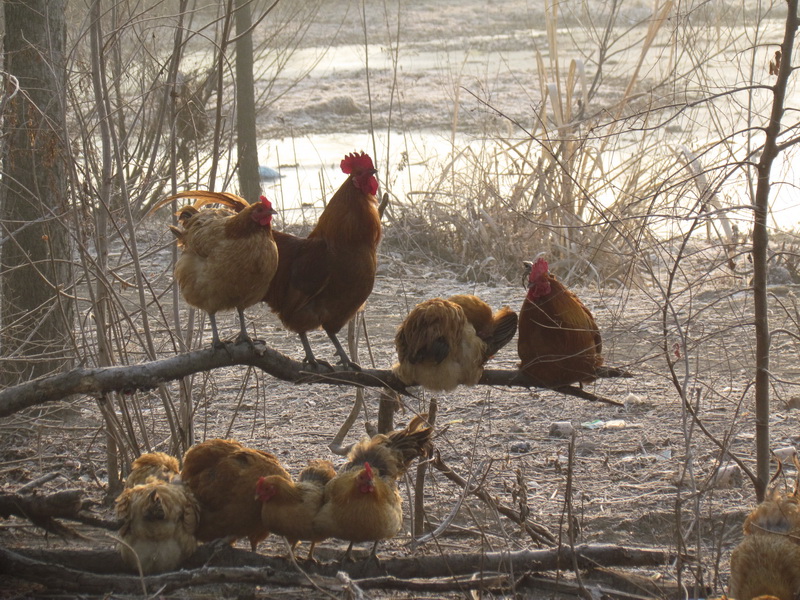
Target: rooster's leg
[343, 358]
[242, 337]
[309, 359]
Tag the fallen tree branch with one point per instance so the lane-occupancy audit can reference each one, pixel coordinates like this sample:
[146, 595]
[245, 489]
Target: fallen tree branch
[65, 579]
[42, 510]
[63, 569]
[148, 376]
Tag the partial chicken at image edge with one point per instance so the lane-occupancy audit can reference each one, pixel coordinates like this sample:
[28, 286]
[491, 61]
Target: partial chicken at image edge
[766, 564]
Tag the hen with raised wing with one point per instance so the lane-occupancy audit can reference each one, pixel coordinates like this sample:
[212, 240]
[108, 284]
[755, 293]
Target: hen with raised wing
[362, 503]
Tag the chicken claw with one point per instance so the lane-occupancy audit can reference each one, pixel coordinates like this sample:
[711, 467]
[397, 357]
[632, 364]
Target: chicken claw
[309, 358]
[344, 360]
[243, 336]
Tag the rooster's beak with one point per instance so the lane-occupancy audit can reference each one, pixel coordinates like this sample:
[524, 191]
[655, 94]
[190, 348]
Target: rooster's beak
[526, 278]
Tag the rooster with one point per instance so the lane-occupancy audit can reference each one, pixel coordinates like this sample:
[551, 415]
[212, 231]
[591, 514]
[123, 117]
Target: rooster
[362, 503]
[229, 257]
[159, 521]
[444, 343]
[289, 508]
[222, 475]
[767, 561]
[322, 280]
[559, 342]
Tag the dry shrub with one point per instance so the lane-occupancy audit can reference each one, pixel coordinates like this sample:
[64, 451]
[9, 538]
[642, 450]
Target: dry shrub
[580, 184]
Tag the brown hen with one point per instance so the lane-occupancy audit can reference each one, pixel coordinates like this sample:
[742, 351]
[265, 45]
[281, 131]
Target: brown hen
[289, 508]
[559, 342]
[222, 475]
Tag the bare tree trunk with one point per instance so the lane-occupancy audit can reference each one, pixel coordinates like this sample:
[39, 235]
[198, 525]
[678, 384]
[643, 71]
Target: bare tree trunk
[760, 244]
[249, 181]
[35, 267]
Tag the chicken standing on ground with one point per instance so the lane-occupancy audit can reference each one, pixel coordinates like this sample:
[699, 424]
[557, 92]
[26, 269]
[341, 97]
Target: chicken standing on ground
[362, 503]
[289, 508]
[767, 561]
[444, 343]
[559, 342]
[228, 259]
[322, 280]
[152, 466]
[222, 475]
[159, 522]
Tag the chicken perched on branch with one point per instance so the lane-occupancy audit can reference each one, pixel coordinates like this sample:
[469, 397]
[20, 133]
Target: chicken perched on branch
[559, 342]
[767, 561]
[444, 343]
[222, 475]
[159, 521]
[229, 257]
[289, 508]
[152, 466]
[362, 503]
[324, 279]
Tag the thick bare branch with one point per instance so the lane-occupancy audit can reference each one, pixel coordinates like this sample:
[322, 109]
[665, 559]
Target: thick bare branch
[63, 570]
[147, 376]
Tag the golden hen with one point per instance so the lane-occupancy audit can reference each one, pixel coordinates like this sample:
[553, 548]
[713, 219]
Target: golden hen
[289, 508]
[222, 475]
[228, 258]
[362, 503]
[764, 565]
[152, 466]
[559, 342]
[322, 280]
[159, 521]
[767, 561]
[444, 343]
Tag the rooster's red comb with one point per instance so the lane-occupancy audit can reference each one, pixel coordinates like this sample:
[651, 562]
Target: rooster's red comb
[361, 162]
[540, 268]
[368, 469]
[265, 201]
